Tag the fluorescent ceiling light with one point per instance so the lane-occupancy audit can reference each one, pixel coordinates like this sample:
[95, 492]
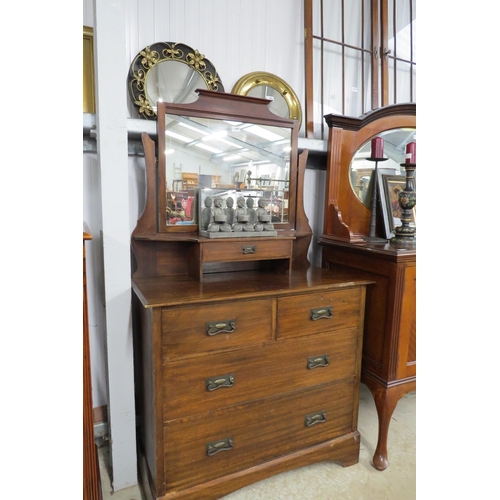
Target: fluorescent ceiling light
[208, 148]
[179, 137]
[190, 127]
[265, 134]
[169, 151]
[216, 135]
[231, 157]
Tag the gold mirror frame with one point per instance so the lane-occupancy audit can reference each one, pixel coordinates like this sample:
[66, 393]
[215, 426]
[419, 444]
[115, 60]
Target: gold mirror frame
[160, 52]
[260, 78]
[88, 70]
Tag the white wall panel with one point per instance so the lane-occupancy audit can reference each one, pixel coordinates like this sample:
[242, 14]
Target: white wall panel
[92, 215]
[238, 37]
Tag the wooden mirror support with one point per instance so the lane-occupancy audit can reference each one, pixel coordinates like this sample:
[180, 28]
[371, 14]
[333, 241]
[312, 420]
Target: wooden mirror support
[346, 218]
[289, 247]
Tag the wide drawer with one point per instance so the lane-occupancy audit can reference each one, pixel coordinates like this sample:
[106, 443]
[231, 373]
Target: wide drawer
[319, 312]
[213, 445]
[210, 382]
[200, 329]
[234, 251]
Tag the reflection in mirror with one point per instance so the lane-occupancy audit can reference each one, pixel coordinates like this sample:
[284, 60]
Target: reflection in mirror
[284, 101]
[170, 81]
[361, 170]
[278, 105]
[169, 72]
[229, 155]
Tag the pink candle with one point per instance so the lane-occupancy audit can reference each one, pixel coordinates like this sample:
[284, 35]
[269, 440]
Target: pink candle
[411, 152]
[377, 147]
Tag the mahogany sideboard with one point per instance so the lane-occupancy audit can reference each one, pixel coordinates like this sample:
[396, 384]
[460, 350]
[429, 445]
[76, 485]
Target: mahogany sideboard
[389, 344]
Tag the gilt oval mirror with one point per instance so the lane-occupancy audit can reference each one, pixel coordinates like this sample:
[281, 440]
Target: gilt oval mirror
[284, 101]
[361, 170]
[169, 72]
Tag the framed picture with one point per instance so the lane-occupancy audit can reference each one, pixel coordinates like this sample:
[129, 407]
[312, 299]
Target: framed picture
[389, 185]
[88, 70]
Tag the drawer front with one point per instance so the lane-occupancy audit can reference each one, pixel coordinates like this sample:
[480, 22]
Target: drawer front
[206, 447]
[200, 329]
[235, 251]
[206, 383]
[319, 312]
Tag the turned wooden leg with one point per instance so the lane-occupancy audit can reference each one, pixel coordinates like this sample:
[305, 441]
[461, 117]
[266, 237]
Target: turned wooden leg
[386, 399]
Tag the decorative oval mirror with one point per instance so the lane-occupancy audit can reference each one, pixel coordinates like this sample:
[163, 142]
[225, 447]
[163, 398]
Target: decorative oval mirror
[169, 72]
[284, 101]
[361, 169]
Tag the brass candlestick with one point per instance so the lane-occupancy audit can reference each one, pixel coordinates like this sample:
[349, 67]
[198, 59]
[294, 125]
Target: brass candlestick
[406, 234]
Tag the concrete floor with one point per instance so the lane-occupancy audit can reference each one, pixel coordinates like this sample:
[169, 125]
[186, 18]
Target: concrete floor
[329, 480]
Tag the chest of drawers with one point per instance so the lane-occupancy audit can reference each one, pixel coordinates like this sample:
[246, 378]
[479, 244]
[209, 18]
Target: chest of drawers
[237, 380]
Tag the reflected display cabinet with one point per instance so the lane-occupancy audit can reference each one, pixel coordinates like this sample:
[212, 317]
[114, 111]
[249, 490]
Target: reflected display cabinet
[389, 341]
[247, 358]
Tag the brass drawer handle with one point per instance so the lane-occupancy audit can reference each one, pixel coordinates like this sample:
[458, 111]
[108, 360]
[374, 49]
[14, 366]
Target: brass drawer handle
[321, 313]
[215, 327]
[214, 383]
[315, 418]
[250, 249]
[216, 446]
[317, 361]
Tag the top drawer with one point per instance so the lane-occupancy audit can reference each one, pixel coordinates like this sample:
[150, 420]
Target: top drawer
[253, 249]
[313, 313]
[190, 330]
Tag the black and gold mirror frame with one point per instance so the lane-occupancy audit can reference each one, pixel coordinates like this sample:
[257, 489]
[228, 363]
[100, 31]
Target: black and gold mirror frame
[199, 71]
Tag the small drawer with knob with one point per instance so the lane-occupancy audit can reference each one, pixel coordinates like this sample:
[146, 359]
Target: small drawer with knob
[319, 312]
[215, 444]
[247, 249]
[189, 330]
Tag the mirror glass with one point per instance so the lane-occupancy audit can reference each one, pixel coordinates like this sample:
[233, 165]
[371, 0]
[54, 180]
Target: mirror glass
[239, 158]
[361, 170]
[171, 81]
[278, 105]
[169, 72]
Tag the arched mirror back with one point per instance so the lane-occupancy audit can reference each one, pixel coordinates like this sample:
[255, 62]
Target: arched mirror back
[169, 72]
[347, 212]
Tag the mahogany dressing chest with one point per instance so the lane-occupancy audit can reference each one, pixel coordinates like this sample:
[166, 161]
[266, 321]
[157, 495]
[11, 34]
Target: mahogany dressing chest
[247, 358]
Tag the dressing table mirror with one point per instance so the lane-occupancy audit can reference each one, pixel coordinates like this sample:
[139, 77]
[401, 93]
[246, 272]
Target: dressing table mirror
[348, 198]
[169, 72]
[247, 357]
[361, 169]
[230, 153]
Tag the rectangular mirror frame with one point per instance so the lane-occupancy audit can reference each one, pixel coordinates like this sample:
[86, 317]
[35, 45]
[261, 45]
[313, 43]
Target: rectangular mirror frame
[223, 106]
